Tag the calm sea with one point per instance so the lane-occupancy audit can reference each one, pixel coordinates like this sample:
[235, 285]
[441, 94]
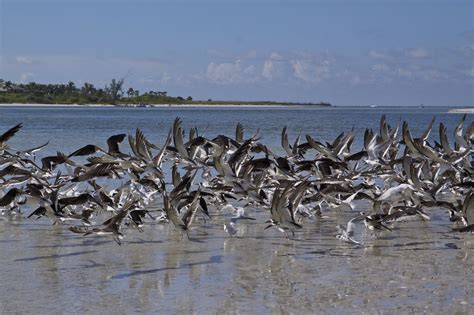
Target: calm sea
[67, 128]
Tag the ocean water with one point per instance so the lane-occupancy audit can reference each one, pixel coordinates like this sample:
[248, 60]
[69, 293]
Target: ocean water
[69, 128]
[419, 267]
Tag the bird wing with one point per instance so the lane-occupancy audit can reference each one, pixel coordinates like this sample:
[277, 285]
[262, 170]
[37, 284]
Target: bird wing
[113, 141]
[178, 138]
[171, 212]
[284, 142]
[443, 138]
[85, 150]
[239, 133]
[96, 171]
[158, 159]
[350, 227]
[460, 142]
[189, 216]
[142, 145]
[468, 208]
[9, 133]
[426, 134]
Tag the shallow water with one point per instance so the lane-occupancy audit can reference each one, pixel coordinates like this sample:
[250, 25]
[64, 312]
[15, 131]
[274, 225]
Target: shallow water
[419, 267]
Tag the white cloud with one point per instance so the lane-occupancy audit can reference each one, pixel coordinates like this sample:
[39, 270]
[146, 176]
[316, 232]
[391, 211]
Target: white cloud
[224, 73]
[417, 53]
[250, 70]
[376, 55]
[468, 50]
[252, 54]
[300, 70]
[380, 67]
[147, 80]
[23, 60]
[227, 73]
[276, 67]
[316, 67]
[394, 72]
[215, 53]
[400, 54]
[314, 71]
[404, 73]
[276, 56]
[268, 69]
[27, 77]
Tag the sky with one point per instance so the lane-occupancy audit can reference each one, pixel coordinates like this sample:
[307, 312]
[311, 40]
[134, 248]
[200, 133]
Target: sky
[380, 52]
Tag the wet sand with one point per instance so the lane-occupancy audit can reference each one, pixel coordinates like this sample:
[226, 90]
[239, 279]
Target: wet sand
[419, 267]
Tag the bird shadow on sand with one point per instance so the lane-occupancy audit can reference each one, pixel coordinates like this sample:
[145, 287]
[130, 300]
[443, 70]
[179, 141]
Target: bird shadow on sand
[9, 241]
[84, 243]
[216, 259]
[56, 256]
[90, 265]
[142, 241]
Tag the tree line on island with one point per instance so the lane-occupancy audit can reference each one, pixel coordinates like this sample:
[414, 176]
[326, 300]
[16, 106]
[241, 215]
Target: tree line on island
[113, 93]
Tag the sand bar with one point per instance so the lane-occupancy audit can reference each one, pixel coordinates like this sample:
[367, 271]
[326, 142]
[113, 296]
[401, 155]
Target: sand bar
[461, 111]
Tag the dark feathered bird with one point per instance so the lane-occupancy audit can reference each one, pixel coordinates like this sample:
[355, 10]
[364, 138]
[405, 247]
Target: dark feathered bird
[113, 142]
[8, 134]
[85, 150]
[10, 196]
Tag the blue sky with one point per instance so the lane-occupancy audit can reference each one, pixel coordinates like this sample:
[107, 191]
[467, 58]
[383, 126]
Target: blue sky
[383, 52]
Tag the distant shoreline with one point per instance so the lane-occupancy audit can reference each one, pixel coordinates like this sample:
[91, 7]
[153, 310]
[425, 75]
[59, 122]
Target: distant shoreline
[467, 110]
[461, 111]
[203, 105]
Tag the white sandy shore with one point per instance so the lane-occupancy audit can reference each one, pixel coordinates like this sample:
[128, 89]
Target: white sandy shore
[53, 105]
[162, 105]
[462, 110]
[453, 110]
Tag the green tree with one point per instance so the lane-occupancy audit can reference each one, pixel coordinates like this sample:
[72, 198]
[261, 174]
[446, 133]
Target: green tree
[71, 87]
[114, 90]
[88, 89]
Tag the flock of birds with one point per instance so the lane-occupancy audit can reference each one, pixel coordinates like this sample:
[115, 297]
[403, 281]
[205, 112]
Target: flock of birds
[187, 179]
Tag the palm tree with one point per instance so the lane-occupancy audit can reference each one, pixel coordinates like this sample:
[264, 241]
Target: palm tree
[71, 87]
[88, 89]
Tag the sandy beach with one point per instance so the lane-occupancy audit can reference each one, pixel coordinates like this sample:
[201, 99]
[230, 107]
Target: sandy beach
[54, 105]
[466, 110]
[162, 105]
[461, 111]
